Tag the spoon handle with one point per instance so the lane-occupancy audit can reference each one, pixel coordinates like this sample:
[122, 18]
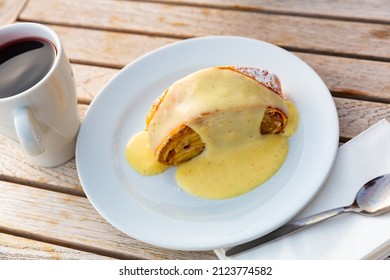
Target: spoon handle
[286, 229]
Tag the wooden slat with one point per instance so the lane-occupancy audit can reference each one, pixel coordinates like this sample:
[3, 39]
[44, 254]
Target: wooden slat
[355, 78]
[109, 49]
[369, 10]
[69, 219]
[90, 80]
[18, 248]
[14, 167]
[356, 116]
[309, 34]
[9, 10]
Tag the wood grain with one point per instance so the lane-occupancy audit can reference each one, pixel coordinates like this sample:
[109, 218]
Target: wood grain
[90, 80]
[18, 248]
[296, 33]
[102, 48]
[9, 10]
[355, 116]
[368, 10]
[71, 220]
[354, 78]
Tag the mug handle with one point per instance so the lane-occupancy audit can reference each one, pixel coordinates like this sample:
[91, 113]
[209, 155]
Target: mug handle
[31, 134]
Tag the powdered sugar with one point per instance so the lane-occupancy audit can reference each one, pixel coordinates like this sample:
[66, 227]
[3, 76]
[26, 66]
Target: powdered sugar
[264, 77]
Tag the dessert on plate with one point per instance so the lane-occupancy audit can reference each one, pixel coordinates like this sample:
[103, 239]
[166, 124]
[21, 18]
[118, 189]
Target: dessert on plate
[225, 128]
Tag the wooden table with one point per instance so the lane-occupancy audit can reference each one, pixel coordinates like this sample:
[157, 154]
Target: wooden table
[44, 213]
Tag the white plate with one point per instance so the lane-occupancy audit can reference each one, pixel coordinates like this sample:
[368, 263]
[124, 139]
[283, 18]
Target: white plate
[154, 209]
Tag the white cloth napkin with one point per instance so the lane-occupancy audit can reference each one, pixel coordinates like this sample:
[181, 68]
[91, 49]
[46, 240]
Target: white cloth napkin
[348, 236]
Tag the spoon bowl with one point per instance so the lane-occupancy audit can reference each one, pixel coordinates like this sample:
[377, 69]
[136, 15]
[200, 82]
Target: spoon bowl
[374, 197]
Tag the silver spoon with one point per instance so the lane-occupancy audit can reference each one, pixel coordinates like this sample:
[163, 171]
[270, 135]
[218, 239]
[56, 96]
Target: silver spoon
[371, 200]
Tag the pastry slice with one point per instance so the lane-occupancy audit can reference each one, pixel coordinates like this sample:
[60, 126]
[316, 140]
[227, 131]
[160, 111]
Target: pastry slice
[170, 120]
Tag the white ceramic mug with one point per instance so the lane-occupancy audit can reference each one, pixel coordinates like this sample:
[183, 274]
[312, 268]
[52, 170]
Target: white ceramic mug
[44, 117]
